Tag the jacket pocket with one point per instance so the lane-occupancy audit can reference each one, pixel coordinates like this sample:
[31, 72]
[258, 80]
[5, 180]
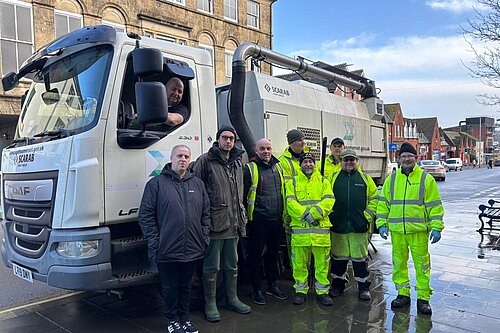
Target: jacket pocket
[220, 218]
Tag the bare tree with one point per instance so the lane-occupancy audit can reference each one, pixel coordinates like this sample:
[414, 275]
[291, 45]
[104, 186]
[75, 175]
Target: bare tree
[484, 30]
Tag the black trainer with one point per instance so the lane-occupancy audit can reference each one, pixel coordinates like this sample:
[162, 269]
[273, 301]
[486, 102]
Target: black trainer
[258, 298]
[174, 327]
[424, 307]
[400, 301]
[276, 293]
[299, 299]
[325, 300]
[188, 327]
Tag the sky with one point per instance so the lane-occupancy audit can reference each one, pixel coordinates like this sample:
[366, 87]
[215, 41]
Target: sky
[414, 50]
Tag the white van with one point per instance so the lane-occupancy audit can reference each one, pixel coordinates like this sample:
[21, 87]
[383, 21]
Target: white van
[454, 164]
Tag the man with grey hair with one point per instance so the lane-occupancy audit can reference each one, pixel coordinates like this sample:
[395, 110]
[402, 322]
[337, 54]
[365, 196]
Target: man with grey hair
[175, 219]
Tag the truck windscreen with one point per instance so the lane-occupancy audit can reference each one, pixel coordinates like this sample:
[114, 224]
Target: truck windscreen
[67, 93]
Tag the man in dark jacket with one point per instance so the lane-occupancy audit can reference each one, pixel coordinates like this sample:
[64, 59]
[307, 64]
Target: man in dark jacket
[263, 179]
[221, 171]
[356, 199]
[175, 218]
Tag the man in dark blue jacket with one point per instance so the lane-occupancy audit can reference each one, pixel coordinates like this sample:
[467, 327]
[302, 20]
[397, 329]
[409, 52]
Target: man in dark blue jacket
[175, 219]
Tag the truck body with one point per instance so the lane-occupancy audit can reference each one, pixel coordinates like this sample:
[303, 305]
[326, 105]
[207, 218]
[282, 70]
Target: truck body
[88, 140]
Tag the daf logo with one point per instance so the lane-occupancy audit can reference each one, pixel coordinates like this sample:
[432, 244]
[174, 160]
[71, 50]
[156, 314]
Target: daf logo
[19, 191]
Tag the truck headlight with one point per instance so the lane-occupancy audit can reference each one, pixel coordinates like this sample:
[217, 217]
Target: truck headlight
[78, 249]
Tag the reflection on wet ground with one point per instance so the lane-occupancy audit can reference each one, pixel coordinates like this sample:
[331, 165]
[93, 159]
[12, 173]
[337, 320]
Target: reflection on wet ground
[465, 278]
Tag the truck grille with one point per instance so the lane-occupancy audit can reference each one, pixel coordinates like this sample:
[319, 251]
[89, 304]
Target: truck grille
[29, 221]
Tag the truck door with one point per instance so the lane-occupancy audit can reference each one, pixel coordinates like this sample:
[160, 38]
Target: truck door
[276, 129]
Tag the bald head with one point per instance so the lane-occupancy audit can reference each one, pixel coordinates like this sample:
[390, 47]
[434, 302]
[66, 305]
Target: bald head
[175, 89]
[264, 150]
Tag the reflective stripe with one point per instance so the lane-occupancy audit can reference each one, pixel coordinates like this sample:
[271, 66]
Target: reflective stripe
[291, 197]
[407, 219]
[252, 192]
[382, 216]
[291, 166]
[300, 285]
[311, 231]
[308, 202]
[436, 218]
[341, 258]
[342, 277]
[408, 202]
[362, 259]
[426, 267]
[322, 287]
[383, 199]
[318, 208]
[433, 203]
[328, 196]
[362, 280]
[373, 198]
[406, 285]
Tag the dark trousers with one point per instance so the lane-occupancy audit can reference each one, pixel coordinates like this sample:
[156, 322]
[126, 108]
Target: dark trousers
[264, 233]
[175, 279]
[360, 268]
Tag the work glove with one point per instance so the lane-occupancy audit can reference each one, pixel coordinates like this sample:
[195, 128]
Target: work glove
[383, 232]
[310, 219]
[435, 236]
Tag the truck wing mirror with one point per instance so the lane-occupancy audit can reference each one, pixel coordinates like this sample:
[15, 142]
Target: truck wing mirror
[151, 102]
[147, 62]
[9, 81]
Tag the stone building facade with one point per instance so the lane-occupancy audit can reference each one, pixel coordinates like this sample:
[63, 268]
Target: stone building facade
[219, 26]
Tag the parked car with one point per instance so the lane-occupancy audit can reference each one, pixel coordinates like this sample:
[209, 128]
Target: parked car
[446, 167]
[434, 168]
[496, 163]
[454, 164]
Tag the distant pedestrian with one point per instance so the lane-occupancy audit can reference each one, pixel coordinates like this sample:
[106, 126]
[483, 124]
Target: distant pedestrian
[410, 208]
[490, 164]
[175, 217]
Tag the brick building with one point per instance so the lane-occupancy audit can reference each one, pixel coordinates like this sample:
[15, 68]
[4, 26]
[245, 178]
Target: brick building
[219, 26]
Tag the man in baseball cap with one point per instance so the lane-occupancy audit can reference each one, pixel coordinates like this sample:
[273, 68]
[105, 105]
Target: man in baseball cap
[332, 161]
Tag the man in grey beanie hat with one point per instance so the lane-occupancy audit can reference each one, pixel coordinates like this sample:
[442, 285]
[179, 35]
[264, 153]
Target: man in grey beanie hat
[294, 135]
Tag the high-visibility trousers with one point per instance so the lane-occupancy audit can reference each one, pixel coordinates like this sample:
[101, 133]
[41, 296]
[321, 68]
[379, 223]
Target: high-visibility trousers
[418, 244]
[300, 260]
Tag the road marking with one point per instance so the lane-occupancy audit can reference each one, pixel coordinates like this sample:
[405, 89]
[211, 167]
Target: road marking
[41, 302]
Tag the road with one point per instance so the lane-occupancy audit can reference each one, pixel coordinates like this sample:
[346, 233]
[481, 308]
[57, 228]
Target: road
[462, 192]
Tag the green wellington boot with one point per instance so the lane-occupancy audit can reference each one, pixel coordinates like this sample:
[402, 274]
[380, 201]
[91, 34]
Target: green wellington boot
[209, 289]
[233, 303]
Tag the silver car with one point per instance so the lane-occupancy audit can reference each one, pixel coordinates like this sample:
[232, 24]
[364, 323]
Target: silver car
[435, 168]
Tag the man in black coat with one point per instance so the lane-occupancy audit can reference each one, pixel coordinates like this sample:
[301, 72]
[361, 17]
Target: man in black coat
[175, 219]
[263, 188]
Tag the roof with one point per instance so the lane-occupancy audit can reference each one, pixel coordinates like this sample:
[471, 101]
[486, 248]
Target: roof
[426, 126]
[392, 109]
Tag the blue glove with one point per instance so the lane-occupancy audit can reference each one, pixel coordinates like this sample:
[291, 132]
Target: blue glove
[435, 236]
[383, 232]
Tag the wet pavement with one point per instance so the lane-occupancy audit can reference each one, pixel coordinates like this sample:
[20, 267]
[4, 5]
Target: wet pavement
[465, 276]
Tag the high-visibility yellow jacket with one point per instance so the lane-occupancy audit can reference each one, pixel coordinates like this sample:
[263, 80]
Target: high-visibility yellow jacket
[289, 164]
[410, 204]
[331, 166]
[313, 195]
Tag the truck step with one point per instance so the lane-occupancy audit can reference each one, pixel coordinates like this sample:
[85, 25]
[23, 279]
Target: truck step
[143, 274]
[127, 244]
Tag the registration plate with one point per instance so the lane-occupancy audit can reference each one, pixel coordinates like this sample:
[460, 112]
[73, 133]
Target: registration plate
[22, 272]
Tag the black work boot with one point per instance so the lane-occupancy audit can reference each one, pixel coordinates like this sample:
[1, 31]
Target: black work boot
[273, 290]
[299, 298]
[424, 307]
[400, 301]
[258, 297]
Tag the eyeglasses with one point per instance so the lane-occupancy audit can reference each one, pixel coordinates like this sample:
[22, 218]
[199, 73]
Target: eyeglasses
[407, 157]
[227, 138]
[349, 159]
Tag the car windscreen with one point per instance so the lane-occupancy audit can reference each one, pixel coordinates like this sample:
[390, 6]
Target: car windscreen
[430, 163]
[451, 162]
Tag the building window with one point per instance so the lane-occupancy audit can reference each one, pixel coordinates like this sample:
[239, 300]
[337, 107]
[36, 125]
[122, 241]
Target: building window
[230, 10]
[180, 2]
[229, 64]
[16, 38]
[253, 14]
[210, 50]
[66, 22]
[206, 6]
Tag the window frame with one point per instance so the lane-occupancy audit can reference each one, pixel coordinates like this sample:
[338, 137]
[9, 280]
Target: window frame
[228, 65]
[210, 6]
[179, 2]
[255, 16]
[16, 40]
[68, 15]
[229, 4]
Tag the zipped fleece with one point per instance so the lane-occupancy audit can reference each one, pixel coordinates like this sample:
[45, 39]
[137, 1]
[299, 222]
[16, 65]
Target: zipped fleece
[356, 199]
[410, 204]
[223, 180]
[175, 217]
